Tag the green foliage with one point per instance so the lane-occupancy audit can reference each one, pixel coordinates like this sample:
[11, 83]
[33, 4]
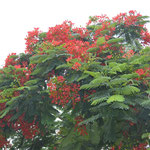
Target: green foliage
[115, 98]
[81, 88]
[94, 49]
[100, 41]
[116, 40]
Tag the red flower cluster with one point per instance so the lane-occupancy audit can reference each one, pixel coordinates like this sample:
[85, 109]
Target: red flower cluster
[3, 122]
[101, 31]
[31, 40]
[104, 30]
[145, 72]
[60, 33]
[129, 54]
[98, 19]
[145, 35]
[77, 49]
[128, 19]
[60, 79]
[76, 66]
[141, 146]
[61, 93]
[83, 32]
[109, 56]
[3, 141]
[10, 61]
[24, 76]
[29, 130]
[140, 72]
[80, 128]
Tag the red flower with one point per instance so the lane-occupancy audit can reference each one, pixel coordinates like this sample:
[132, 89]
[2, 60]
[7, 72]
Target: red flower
[140, 72]
[61, 95]
[68, 59]
[128, 19]
[132, 12]
[109, 56]
[80, 128]
[146, 37]
[31, 39]
[60, 33]
[10, 61]
[17, 66]
[77, 49]
[60, 79]
[55, 43]
[129, 54]
[76, 66]
[29, 130]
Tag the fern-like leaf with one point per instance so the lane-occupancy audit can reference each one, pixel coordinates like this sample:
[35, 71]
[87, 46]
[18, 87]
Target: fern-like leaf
[115, 98]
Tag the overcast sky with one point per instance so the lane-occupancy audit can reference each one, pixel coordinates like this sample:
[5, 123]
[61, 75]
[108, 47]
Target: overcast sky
[17, 17]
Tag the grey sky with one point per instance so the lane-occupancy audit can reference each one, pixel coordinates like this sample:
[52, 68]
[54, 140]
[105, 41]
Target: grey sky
[17, 17]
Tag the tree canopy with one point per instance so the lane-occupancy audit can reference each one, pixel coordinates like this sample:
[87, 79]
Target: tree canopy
[79, 88]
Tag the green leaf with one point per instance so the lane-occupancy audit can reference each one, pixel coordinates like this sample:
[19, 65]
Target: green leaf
[13, 56]
[99, 100]
[42, 35]
[116, 40]
[142, 17]
[96, 83]
[97, 27]
[91, 27]
[94, 133]
[118, 81]
[145, 50]
[93, 74]
[100, 79]
[116, 98]
[38, 70]
[91, 119]
[112, 64]
[73, 77]
[112, 25]
[66, 141]
[49, 57]
[4, 112]
[62, 66]
[136, 62]
[104, 32]
[94, 49]
[116, 67]
[148, 92]
[21, 88]
[89, 86]
[130, 76]
[32, 82]
[83, 76]
[146, 103]
[4, 100]
[100, 41]
[118, 105]
[128, 90]
[37, 59]
[146, 135]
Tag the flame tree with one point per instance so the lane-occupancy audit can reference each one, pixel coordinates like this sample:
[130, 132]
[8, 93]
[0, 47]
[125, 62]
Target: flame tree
[79, 88]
